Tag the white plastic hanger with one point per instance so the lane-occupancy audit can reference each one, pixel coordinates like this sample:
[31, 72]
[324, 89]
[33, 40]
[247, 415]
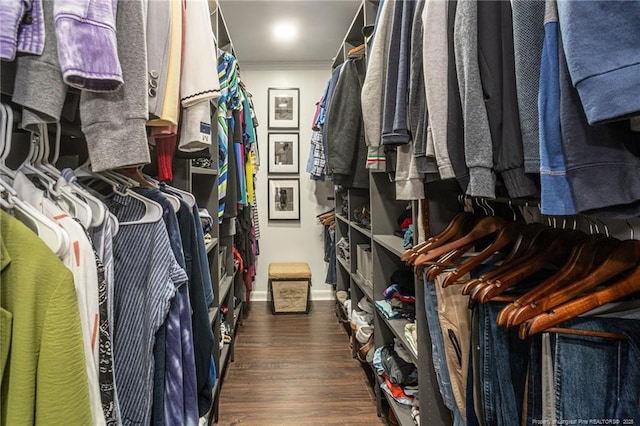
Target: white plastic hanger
[49, 231]
[97, 207]
[153, 211]
[63, 197]
[142, 181]
[7, 120]
[188, 197]
[52, 235]
[3, 127]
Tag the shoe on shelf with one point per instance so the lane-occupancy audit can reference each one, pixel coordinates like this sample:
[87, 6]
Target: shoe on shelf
[366, 305]
[360, 319]
[363, 352]
[364, 333]
[342, 296]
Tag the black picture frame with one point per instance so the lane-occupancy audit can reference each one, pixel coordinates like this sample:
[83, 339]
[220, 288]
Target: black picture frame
[283, 151]
[284, 198]
[283, 108]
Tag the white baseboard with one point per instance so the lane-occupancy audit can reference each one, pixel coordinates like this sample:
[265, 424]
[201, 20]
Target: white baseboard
[261, 295]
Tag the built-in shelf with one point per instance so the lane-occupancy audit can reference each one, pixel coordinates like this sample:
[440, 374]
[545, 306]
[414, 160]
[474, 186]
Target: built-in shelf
[213, 314]
[211, 244]
[344, 263]
[392, 243]
[236, 317]
[402, 412]
[397, 327]
[224, 358]
[225, 286]
[342, 218]
[365, 231]
[203, 171]
[367, 290]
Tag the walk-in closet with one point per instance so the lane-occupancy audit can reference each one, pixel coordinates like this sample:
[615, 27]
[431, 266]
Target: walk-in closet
[319, 212]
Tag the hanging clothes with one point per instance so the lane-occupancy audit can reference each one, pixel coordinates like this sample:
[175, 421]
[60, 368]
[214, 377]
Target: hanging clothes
[79, 258]
[346, 154]
[43, 368]
[143, 298]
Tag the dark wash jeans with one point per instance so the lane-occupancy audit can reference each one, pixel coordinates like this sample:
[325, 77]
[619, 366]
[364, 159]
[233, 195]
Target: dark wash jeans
[504, 360]
[595, 380]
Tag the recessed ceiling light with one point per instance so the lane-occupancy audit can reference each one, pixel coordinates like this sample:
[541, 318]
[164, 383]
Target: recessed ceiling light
[285, 31]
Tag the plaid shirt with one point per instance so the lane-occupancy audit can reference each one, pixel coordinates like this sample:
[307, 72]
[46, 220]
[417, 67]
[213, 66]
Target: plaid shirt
[317, 160]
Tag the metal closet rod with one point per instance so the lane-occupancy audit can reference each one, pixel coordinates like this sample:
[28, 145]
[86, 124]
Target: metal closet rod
[526, 202]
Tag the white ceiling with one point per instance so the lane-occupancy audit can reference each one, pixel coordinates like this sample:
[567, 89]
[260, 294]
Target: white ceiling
[322, 25]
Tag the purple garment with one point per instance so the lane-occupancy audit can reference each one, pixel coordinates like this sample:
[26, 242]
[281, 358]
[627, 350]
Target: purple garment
[22, 28]
[87, 44]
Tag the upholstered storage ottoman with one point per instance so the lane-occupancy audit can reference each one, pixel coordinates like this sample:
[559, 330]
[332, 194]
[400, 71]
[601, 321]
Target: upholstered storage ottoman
[289, 287]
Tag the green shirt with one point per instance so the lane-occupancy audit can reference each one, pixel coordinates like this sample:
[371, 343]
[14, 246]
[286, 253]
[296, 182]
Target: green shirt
[42, 365]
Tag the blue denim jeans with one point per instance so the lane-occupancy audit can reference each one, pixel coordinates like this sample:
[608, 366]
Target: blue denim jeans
[330, 256]
[438, 352]
[598, 378]
[504, 360]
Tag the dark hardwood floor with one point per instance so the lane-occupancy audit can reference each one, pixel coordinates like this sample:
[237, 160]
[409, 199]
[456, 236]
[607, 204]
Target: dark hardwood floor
[295, 370]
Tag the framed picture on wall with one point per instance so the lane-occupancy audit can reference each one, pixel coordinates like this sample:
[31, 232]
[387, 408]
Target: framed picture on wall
[284, 108]
[283, 152]
[284, 199]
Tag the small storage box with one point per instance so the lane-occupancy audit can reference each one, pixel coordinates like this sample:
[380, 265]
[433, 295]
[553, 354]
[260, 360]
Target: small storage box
[364, 267]
[289, 287]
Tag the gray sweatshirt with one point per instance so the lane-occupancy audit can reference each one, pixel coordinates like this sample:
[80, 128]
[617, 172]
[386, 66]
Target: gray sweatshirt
[373, 88]
[38, 85]
[435, 57]
[114, 123]
[498, 77]
[528, 36]
[417, 108]
[477, 136]
[409, 180]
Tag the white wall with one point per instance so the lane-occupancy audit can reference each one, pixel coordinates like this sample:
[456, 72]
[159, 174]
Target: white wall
[291, 241]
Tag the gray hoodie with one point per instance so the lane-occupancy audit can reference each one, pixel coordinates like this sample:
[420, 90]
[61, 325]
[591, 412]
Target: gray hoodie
[435, 57]
[477, 136]
[373, 88]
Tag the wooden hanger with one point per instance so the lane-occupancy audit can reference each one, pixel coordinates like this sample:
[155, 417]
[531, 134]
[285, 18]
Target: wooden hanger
[585, 257]
[356, 49]
[530, 233]
[506, 235]
[626, 286]
[557, 252]
[452, 229]
[485, 226]
[624, 256]
[568, 273]
[446, 261]
[535, 243]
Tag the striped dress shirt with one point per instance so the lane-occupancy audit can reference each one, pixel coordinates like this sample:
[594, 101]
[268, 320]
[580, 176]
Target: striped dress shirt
[146, 277]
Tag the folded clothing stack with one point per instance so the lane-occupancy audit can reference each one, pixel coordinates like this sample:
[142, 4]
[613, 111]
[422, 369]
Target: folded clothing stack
[393, 364]
[399, 298]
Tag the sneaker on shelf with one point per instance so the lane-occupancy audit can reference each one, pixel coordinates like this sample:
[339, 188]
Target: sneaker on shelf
[341, 295]
[366, 305]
